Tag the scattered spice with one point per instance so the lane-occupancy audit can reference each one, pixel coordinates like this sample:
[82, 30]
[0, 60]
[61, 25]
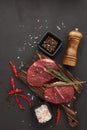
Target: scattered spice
[58, 114]
[13, 68]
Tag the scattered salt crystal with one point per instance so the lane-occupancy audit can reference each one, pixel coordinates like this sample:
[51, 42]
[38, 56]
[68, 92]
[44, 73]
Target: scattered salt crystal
[38, 20]
[32, 46]
[25, 43]
[36, 37]
[64, 26]
[68, 105]
[58, 28]
[29, 35]
[34, 41]
[28, 94]
[29, 44]
[39, 35]
[40, 27]
[76, 112]
[22, 64]
[18, 57]
[32, 98]
[31, 38]
[62, 23]
[76, 29]
[19, 67]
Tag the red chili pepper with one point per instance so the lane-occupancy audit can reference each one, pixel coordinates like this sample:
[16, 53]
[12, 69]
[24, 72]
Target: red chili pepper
[12, 83]
[19, 103]
[13, 68]
[12, 92]
[27, 99]
[58, 114]
[18, 92]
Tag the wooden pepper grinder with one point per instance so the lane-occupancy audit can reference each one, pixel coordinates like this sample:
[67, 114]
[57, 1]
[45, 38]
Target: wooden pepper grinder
[70, 56]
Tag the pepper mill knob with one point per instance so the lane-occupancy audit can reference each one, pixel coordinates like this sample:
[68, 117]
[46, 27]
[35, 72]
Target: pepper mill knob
[70, 57]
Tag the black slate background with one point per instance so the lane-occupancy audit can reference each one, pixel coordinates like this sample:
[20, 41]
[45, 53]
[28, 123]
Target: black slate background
[17, 20]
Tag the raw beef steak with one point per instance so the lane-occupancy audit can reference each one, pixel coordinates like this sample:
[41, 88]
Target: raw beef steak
[37, 74]
[58, 95]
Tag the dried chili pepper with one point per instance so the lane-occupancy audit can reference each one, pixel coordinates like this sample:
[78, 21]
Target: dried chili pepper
[12, 83]
[58, 114]
[13, 68]
[12, 92]
[18, 92]
[26, 99]
[19, 103]
[14, 89]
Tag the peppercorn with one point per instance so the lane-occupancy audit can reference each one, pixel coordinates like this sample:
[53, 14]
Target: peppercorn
[50, 44]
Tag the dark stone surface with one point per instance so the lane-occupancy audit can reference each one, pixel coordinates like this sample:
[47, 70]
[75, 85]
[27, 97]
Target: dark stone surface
[19, 19]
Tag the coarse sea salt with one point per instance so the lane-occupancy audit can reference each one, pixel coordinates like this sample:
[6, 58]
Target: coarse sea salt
[18, 57]
[28, 94]
[29, 35]
[43, 114]
[38, 20]
[34, 42]
[58, 28]
[76, 29]
[22, 64]
[36, 37]
[68, 105]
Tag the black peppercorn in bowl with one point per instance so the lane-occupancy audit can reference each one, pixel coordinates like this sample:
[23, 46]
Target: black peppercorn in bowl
[50, 44]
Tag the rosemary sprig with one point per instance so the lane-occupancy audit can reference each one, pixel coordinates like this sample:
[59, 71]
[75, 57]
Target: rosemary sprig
[55, 74]
[64, 84]
[59, 74]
